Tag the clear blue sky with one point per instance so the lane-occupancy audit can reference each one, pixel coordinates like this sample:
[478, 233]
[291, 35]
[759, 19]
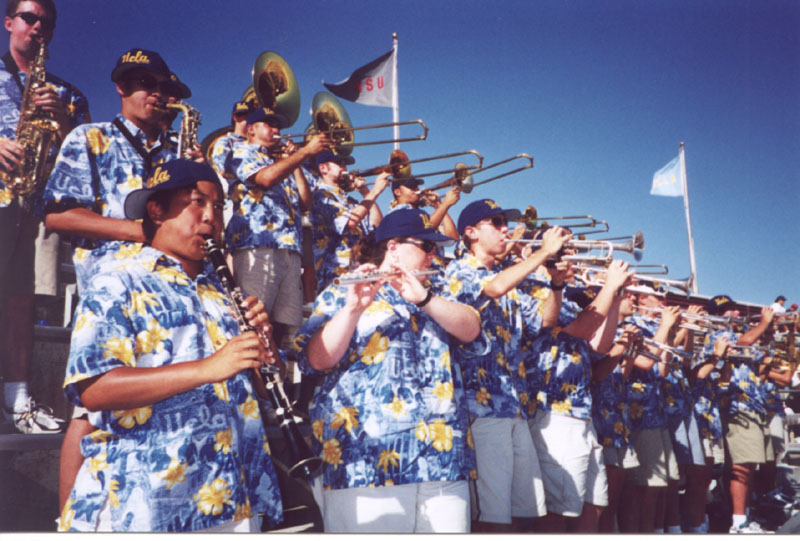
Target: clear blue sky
[599, 93]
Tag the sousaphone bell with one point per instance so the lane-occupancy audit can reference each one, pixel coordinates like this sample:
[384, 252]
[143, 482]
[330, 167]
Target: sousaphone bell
[275, 86]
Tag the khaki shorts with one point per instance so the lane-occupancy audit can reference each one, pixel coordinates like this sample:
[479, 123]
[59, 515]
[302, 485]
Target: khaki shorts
[46, 262]
[274, 276]
[621, 457]
[571, 459]
[746, 438]
[509, 480]
[657, 463]
[713, 449]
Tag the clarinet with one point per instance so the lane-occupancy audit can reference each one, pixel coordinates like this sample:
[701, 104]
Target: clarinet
[306, 463]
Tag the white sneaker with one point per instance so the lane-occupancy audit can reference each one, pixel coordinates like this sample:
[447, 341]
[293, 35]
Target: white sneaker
[35, 419]
[749, 527]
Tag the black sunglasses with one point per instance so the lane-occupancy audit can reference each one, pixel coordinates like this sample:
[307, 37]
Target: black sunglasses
[498, 221]
[150, 84]
[31, 19]
[427, 246]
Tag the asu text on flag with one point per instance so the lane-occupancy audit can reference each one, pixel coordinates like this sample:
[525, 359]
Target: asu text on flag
[371, 84]
[668, 180]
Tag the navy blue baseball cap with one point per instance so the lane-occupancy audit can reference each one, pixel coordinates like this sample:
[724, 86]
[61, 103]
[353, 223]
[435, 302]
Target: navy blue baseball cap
[328, 156]
[241, 107]
[167, 176]
[413, 223]
[719, 305]
[483, 208]
[411, 182]
[140, 59]
[263, 115]
[183, 91]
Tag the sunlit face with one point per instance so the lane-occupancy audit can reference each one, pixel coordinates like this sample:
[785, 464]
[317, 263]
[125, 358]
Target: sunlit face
[406, 196]
[489, 235]
[143, 95]
[264, 133]
[332, 171]
[24, 37]
[627, 304]
[193, 214]
[650, 301]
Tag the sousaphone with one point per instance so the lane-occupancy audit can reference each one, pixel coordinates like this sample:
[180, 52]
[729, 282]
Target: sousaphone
[275, 86]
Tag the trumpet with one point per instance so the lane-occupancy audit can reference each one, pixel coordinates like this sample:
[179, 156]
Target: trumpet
[365, 277]
[580, 265]
[634, 246]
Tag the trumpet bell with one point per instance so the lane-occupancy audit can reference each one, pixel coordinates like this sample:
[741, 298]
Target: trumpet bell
[329, 116]
[275, 86]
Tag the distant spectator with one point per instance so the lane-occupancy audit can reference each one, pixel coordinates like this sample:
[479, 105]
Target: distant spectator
[778, 306]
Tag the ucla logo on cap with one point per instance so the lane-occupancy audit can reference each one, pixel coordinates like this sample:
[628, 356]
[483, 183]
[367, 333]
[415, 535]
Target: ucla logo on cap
[426, 222]
[138, 58]
[158, 176]
[491, 204]
[722, 300]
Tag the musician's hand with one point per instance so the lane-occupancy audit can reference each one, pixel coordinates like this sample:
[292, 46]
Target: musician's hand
[196, 154]
[47, 100]
[10, 154]
[408, 285]
[360, 296]
[561, 272]
[452, 196]
[429, 199]
[553, 239]
[317, 144]
[239, 353]
[721, 347]
[670, 316]
[695, 309]
[617, 274]
[382, 181]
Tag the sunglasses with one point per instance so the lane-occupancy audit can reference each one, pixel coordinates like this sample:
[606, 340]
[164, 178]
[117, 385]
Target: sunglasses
[427, 246]
[498, 221]
[149, 83]
[31, 19]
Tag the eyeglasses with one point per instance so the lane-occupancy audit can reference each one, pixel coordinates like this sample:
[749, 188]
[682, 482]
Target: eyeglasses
[427, 246]
[149, 83]
[498, 221]
[31, 19]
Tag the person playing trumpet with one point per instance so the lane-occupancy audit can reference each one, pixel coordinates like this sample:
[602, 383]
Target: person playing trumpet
[408, 195]
[264, 235]
[389, 418]
[338, 221]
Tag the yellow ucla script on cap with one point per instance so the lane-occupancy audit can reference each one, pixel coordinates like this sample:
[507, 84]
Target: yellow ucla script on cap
[491, 204]
[159, 176]
[138, 58]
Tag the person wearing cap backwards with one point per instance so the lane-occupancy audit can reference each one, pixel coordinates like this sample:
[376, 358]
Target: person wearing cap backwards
[743, 407]
[97, 166]
[338, 221]
[509, 487]
[156, 353]
[388, 418]
[28, 254]
[264, 234]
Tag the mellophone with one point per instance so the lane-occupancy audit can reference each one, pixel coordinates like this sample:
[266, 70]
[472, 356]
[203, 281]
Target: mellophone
[305, 463]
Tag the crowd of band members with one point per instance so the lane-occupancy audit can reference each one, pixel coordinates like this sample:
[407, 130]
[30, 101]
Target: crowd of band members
[499, 394]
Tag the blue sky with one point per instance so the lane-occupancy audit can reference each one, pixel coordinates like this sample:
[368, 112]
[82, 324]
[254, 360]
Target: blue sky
[600, 94]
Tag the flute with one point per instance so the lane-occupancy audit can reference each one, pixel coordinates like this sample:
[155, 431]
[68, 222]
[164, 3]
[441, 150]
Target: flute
[364, 277]
[306, 463]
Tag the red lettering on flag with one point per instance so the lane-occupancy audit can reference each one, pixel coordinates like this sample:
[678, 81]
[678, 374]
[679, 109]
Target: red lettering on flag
[380, 82]
[368, 82]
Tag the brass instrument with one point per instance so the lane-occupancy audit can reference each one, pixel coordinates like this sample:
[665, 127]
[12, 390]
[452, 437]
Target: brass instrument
[306, 463]
[533, 220]
[275, 87]
[330, 117]
[634, 246]
[187, 138]
[36, 132]
[364, 277]
[400, 166]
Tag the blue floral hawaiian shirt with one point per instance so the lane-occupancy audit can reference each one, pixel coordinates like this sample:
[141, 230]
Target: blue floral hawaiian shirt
[610, 413]
[645, 399]
[331, 239]
[192, 461]
[222, 155]
[262, 217]
[492, 365]
[744, 393]
[96, 169]
[393, 410]
[11, 101]
[705, 395]
[675, 389]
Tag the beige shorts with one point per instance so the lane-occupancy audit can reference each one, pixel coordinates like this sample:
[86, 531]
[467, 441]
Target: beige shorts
[713, 449]
[746, 438]
[657, 463]
[274, 276]
[509, 480]
[432, 507]
[572, 465]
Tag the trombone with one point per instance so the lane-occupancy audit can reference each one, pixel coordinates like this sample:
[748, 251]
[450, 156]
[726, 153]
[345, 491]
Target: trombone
[400, 166]
[634, 246]
[532, 220]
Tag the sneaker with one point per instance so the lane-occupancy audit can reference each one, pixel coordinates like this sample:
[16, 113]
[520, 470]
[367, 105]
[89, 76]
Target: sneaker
[35, 419]
[749, 527]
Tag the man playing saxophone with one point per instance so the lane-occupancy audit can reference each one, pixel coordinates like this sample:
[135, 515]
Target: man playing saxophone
[29, 24]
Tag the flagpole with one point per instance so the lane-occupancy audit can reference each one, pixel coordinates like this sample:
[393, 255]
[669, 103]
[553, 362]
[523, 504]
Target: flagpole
[395, 98]
[692, 263]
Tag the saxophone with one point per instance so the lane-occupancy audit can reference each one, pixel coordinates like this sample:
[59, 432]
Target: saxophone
[36, 132]
[187, 139]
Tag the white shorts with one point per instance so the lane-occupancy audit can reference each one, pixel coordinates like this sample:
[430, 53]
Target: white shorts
[621, 457]
[572, 463]
[509, 480]
[274, 277]
[432, 507]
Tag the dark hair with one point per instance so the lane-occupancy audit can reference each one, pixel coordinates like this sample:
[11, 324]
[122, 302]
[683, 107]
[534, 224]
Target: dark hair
[780, 298]
[367, 250]
[13, 5]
